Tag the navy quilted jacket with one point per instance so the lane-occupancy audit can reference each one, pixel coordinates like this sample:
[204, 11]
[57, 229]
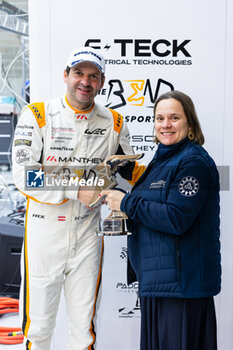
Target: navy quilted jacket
[173, 212]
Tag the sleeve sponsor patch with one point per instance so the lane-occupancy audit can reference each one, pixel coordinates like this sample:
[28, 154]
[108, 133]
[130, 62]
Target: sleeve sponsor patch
[38, 109]
[188, 186]
[118, 120]
[22, 156]
[22, 142]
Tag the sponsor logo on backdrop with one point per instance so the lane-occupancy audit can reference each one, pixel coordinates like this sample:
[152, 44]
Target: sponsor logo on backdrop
[139, 118]
[130, 312]
[131, 306]
[140, 52]
[145, 51]
[123, 254]
[144, 143]
[134, 92]
[127, 288]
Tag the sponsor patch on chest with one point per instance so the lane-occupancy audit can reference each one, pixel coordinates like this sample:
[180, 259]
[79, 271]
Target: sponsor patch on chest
[158, 184]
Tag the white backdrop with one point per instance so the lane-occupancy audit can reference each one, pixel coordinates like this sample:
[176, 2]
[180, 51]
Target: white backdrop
[149, 47]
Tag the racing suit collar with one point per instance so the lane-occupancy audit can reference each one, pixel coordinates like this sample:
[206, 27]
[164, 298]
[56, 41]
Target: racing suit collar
[76, 110]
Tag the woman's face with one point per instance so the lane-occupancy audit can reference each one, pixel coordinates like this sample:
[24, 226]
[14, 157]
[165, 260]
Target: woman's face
[171, 125]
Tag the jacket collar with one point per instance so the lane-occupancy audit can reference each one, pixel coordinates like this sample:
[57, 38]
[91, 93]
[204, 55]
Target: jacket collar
[165, 151]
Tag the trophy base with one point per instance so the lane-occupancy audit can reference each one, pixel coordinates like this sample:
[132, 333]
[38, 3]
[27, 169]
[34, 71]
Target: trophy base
[114, 225]
[110, 234]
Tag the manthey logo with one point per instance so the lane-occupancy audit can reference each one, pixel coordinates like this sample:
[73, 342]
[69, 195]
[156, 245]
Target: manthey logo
[83, 160]
[81, 117]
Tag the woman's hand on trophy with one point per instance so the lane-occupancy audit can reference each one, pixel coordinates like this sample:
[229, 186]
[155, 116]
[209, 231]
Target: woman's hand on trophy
[113, 198]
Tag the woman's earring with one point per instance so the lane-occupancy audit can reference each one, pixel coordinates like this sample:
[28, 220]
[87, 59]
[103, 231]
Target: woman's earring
[191, 135]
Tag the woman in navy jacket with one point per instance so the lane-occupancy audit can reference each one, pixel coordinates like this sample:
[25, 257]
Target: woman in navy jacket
[174, 251]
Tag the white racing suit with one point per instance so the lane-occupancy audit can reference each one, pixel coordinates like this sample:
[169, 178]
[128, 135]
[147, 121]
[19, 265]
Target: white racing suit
[61, 246]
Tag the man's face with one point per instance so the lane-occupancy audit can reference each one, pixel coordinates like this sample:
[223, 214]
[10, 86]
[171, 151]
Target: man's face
[83, 83]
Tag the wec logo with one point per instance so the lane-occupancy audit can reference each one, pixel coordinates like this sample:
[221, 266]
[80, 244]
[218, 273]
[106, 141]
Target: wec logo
[98, 131]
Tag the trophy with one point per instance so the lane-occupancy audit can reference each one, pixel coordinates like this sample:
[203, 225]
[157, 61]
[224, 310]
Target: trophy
[116, 223]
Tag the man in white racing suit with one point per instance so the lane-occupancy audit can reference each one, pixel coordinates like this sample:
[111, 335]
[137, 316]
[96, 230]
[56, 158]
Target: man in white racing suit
[61, 248]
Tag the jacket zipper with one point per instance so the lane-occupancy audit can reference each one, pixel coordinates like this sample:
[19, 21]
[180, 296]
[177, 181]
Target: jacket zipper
[178, 260]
